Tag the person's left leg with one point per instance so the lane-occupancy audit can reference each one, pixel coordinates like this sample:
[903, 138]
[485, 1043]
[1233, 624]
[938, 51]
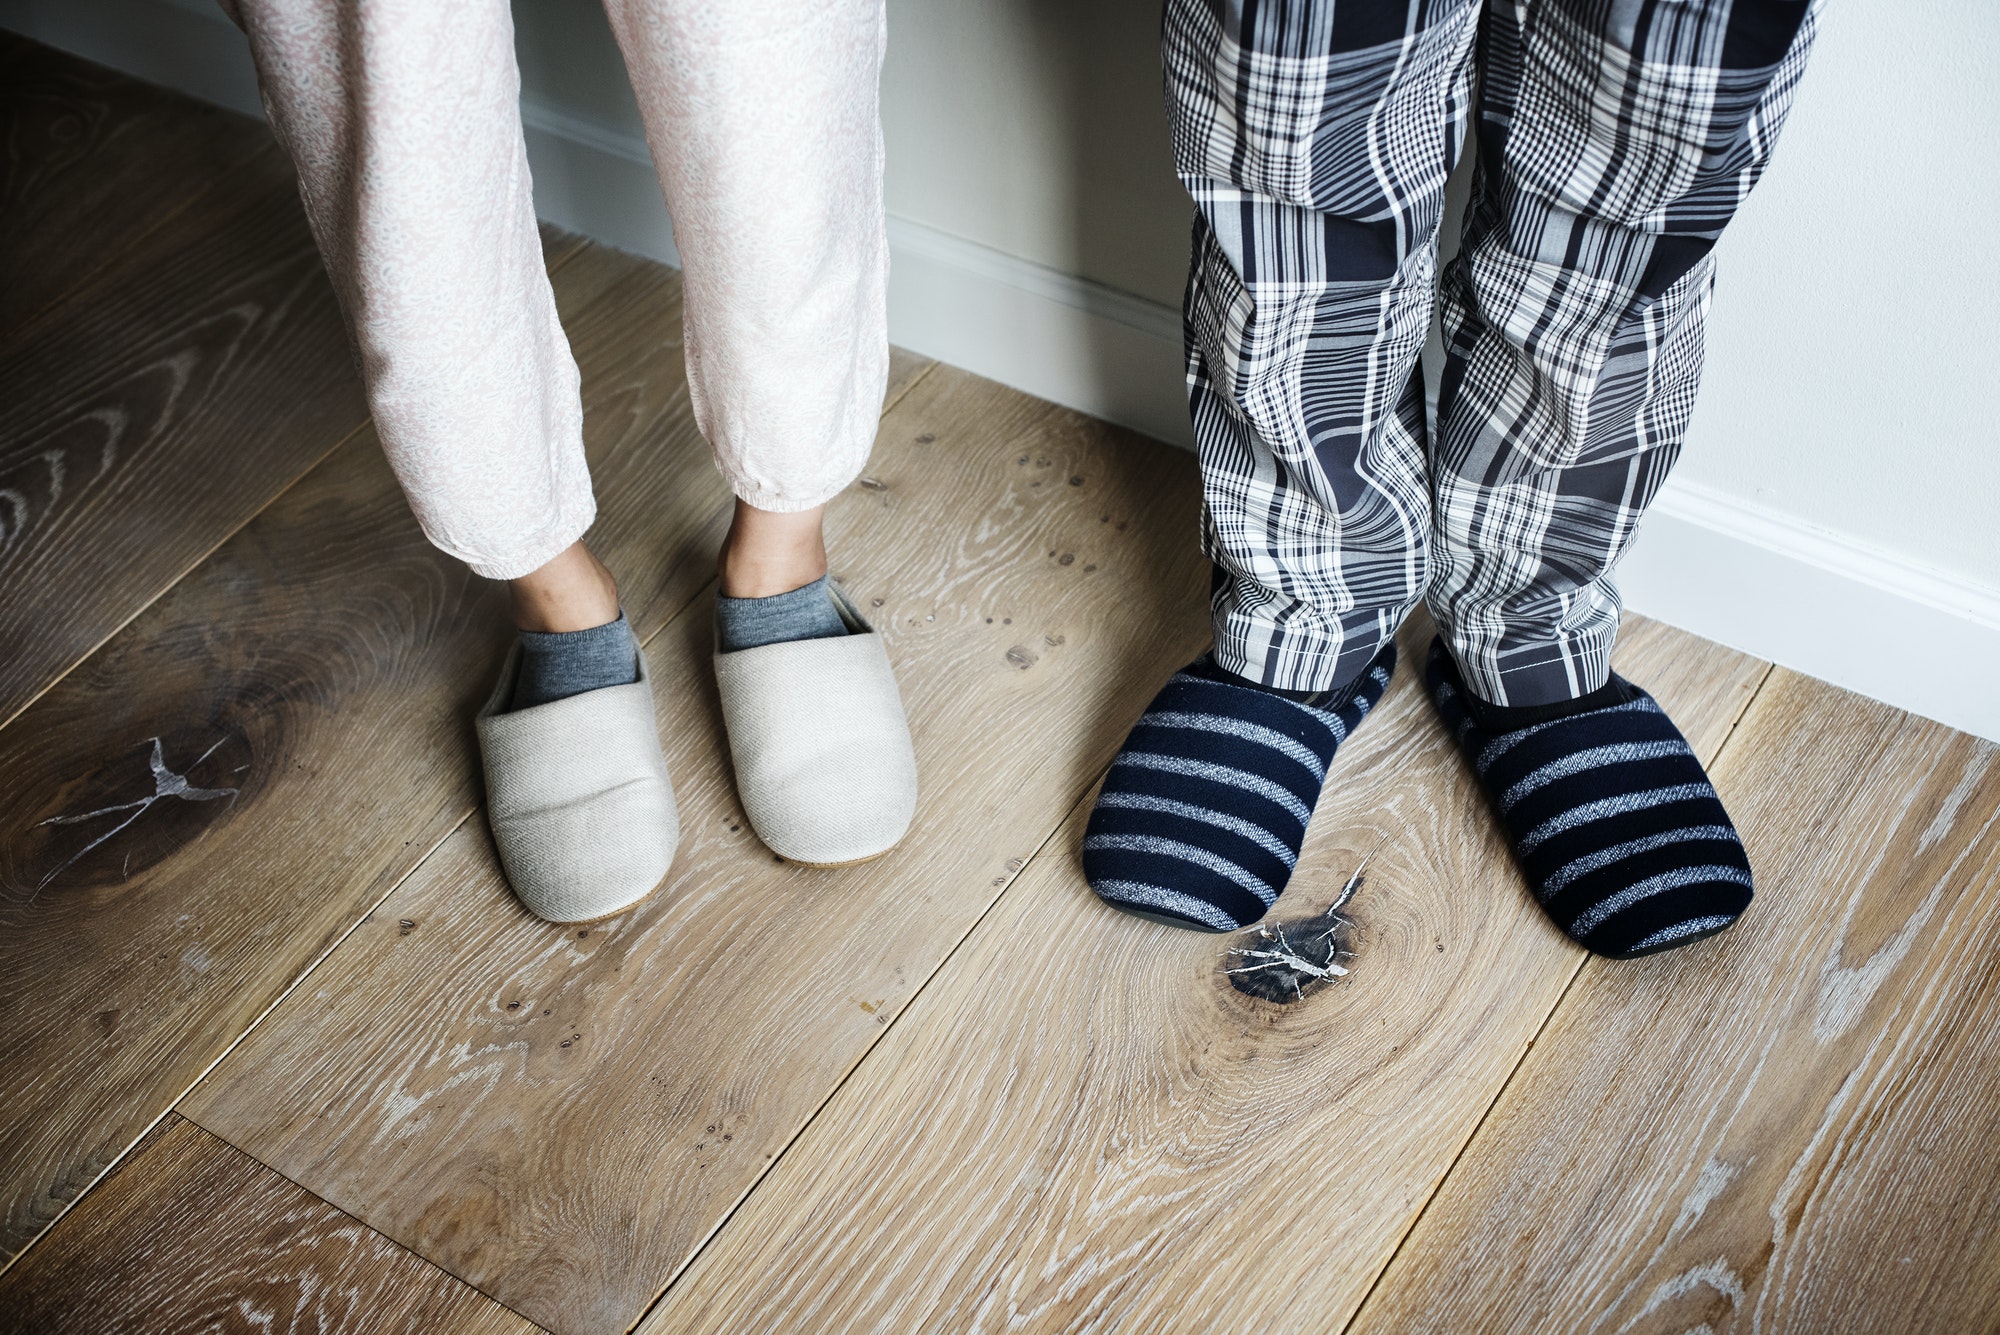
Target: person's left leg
[764, 125]
[1315, 140]
[1615, 142]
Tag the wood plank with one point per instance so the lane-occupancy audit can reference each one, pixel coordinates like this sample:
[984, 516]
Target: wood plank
[561, 1116]
[153, 412]
[1794, 1131]
[90, 161]
[190, 1234]
[160, 407]
[325, 661]
[906, 368]
[1081, 1125]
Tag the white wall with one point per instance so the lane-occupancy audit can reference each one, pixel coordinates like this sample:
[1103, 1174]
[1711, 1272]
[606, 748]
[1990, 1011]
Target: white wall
[1856, 331]
[1036, 127]
[1836, 506]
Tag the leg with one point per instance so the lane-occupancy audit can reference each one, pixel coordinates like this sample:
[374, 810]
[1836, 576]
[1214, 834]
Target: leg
[1573, 315]
[1315, 140]
[763, 122]
[427, 224]
[403, 119]
[404, 122]
[1614, 146]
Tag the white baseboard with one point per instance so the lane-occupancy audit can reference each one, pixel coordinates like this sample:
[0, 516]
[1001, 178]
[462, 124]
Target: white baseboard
[1742, 574]
[1054, 335]
[1861, 618]
[1051, 334]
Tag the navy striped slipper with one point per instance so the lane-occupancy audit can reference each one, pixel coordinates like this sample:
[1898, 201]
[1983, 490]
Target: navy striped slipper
[1200, 819]
[1621, 835]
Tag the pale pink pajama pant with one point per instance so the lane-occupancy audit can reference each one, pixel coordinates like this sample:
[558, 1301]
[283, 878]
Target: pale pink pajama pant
[403, 117]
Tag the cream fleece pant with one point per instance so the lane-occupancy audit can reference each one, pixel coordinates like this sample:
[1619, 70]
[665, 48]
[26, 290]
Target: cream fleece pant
[403, 117]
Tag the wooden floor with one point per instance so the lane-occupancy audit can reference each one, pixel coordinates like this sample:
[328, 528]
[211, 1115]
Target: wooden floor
[289, 1057]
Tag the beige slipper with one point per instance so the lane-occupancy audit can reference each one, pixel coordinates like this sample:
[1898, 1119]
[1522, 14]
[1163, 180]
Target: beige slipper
[822, 751]
[578, 798]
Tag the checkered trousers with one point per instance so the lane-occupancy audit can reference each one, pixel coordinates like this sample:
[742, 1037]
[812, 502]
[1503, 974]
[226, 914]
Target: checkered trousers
[1615, 139]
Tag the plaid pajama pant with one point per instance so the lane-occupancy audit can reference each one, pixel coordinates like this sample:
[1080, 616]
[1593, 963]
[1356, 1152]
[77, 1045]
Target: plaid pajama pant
[1615, 139]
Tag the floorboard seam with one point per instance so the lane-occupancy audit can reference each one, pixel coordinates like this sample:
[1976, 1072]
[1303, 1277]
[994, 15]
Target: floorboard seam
[944, 963]
[575, 243]
[173, 1108]
[1741, 714]
[347, 1214]
[1513, 1071]
[918, 379]
[194, 564]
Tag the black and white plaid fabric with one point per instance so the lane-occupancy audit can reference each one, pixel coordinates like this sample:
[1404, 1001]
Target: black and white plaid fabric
[1615, 138]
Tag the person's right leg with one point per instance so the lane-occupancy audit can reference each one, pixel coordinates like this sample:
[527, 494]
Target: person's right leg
[403, 120]
[1316, 139]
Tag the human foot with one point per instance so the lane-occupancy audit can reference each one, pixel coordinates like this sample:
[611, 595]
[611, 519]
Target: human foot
[1622, 837]
[1200, 819]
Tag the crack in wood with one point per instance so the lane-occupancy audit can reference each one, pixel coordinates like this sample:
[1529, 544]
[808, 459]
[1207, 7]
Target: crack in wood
[1287, 961]
[167, 783]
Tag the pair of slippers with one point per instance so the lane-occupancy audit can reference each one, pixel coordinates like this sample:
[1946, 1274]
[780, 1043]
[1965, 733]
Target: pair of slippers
[583, 813]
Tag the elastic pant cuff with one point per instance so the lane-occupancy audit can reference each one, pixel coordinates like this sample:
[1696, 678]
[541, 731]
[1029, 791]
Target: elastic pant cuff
[544, 547]
[786, 502]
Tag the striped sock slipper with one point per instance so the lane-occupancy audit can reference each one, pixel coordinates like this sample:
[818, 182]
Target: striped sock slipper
[1622, 836]
[1200, 819]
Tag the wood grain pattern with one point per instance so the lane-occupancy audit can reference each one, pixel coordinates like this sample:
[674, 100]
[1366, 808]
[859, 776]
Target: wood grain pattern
[90, 161]
[154, 411]
[1792, 1131]
[191, 1235]
[561, 1116]
[1082, 1126]
[316, 674]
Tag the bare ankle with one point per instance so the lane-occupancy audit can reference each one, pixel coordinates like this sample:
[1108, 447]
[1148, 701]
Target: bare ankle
[769, 553]
[572, 592]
